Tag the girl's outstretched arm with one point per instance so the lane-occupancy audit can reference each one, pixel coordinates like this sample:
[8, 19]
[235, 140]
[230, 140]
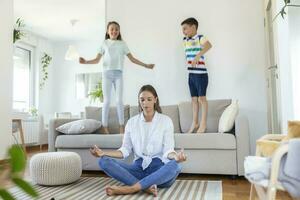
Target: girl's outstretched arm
[136, 61]
[93, 61]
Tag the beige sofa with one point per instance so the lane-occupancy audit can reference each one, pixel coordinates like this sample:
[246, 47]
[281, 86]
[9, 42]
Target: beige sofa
[209, 153]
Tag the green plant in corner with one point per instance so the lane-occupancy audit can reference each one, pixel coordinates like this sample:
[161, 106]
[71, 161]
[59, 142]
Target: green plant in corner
[45, 60]
[97, 93]
[14, 172]
[33, 111]
[287, 3]
[18, 32]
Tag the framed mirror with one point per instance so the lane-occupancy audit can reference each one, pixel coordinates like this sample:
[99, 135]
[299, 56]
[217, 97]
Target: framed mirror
[86, 83]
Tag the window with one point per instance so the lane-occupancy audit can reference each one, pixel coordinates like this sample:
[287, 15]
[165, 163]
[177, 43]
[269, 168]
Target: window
[23, 79]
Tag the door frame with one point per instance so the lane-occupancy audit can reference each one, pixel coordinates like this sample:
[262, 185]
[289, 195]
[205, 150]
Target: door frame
[274, 120]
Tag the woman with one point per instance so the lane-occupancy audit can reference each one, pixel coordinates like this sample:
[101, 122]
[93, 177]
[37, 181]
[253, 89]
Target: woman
[149, 136]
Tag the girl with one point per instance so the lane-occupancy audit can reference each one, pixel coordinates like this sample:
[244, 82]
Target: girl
[150, 137]
[113, 50]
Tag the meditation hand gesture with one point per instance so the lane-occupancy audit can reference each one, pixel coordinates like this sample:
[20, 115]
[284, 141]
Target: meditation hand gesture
[95, 151]
[180, 157]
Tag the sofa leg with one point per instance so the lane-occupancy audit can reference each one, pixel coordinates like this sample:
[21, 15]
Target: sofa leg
[233, 177]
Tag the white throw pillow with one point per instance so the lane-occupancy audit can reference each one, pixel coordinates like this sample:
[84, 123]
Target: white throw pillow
[227, 118]
[79, 126]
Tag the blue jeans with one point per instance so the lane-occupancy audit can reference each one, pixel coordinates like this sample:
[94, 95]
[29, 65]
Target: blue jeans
[157, 173]
[112, 79]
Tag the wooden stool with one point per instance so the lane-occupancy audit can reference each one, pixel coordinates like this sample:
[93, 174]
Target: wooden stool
[20, 128]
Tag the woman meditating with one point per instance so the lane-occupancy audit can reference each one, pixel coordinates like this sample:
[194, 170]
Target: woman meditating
[150, 137]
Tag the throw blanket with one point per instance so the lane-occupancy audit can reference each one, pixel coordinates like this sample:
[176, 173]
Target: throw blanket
[257, 169]
[289, 173]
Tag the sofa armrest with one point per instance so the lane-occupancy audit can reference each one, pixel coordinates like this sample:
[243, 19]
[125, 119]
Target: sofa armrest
[242, 141]
[53, 133]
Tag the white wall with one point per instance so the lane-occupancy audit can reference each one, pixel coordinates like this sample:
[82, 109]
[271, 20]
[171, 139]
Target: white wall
[236, 62]
[63, 78]
[6, 67]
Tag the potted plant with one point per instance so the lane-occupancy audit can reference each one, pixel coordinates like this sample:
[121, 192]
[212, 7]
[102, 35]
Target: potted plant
[13, 172]
[45, 60]
[18, 32]
[287, 3]
[97, 93]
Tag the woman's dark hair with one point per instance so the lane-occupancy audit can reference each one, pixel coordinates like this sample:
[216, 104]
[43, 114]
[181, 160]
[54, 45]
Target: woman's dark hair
[149, 88]
[190, 21]
[115, 23]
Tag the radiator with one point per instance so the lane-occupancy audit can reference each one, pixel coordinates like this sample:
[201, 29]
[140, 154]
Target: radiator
[31, 131]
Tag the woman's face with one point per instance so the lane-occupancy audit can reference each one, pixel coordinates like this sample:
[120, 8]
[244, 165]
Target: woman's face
[147, 101]
[113, 31]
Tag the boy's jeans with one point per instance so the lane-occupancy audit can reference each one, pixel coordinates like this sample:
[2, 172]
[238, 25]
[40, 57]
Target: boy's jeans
[157, 173]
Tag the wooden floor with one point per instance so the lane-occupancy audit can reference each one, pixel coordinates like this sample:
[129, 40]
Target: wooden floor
[233, 189]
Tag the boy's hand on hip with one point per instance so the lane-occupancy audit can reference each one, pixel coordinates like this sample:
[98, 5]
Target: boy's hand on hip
[195, 61]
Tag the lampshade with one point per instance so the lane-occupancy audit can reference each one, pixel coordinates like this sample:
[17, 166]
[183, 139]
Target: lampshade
[72, 53]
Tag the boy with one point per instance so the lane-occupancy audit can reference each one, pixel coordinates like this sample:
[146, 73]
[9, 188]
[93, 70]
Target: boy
[195, 47]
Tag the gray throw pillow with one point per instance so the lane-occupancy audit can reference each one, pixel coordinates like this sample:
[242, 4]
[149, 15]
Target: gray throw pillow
[79, 126]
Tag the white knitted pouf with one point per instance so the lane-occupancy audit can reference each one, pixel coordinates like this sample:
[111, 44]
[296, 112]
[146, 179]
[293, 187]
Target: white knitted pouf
[55, 168]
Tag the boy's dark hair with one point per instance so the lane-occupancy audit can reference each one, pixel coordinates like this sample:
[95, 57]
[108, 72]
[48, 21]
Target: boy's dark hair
[190, 21]
[110, 23]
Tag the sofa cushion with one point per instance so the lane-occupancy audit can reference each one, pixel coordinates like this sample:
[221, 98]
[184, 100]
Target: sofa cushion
[114, 141]
[88, 140]
[215, 110]
[113, 121]
[171, 111]
[79, 126]
[227, 118]
[205, 141]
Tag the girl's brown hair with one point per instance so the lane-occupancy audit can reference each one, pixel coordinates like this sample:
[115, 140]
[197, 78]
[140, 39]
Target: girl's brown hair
[115, 23]
[151, 89]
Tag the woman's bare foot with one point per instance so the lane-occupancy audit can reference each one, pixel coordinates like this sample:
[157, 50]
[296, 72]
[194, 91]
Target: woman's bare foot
[202, 129]
[193, 128]
[117, 190]
[152, 190]
[121, 129]
[104, 130]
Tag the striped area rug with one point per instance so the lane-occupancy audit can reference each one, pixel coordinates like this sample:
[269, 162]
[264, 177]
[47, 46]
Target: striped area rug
[93, 188]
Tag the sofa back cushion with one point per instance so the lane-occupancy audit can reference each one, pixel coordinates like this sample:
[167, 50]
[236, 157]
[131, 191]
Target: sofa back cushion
[113, 121]
[215, 110]
[171, 111]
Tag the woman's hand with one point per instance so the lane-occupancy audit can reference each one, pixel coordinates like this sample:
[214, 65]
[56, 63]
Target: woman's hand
[150, 66]
[180, 156]
[95, 151]
[82, 60]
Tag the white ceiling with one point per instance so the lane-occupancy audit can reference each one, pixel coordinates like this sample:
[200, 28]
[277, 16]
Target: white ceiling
[51, 18]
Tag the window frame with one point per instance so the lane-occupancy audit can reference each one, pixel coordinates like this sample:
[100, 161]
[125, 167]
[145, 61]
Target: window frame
[32, 76]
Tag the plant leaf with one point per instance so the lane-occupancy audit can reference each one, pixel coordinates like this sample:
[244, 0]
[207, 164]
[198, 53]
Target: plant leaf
[17, 158]
[6, 195]
[26, 187]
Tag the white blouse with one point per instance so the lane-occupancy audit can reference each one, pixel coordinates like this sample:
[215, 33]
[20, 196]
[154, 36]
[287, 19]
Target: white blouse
[159, 134]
